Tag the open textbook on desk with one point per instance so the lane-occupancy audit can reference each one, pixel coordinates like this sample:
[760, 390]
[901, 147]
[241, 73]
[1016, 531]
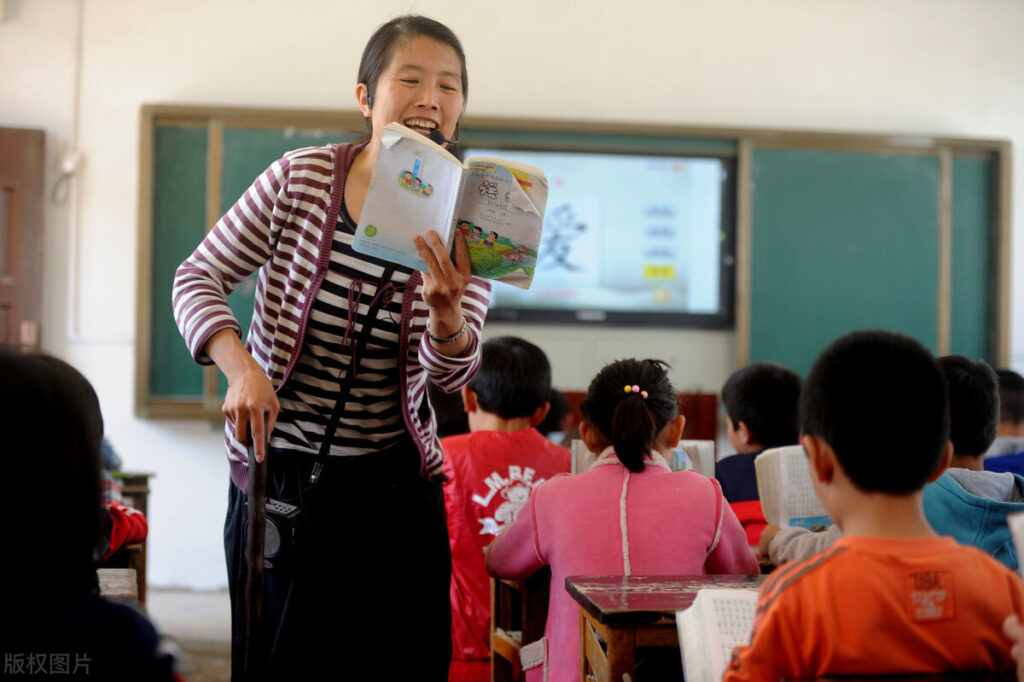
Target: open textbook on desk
[787, 494]
[417, 185]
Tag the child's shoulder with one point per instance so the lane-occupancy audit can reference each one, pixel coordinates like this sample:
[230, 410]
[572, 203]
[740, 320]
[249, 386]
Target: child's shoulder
[819, 567]
[736, 463]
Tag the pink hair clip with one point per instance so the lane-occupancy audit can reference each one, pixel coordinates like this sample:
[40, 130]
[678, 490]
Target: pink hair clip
[635, 389]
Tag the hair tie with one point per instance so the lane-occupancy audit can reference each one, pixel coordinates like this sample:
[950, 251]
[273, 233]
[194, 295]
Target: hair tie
[635, 389]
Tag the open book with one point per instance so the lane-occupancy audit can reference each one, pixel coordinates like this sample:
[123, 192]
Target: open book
[787, 494]
[582, 458]
[1016, 523]
[690, 454]
[719, 620]
[497, 206]
[694, 454]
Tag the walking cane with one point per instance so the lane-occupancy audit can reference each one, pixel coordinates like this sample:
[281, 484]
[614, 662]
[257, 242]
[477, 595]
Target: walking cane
[255, 652]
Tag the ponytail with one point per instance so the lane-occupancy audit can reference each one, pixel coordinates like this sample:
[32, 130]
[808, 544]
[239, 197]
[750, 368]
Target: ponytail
[633, 432]
[629, 402]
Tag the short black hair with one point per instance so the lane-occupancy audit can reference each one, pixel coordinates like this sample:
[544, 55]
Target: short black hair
[513, 379]
[764, 395]
[1011, 396]
[879, 399]
[449, 411]
[631, 419]
[973, 404]
[53, 428]
[559, 409]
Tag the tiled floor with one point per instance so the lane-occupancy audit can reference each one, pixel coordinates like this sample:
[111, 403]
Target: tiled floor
[197, 627]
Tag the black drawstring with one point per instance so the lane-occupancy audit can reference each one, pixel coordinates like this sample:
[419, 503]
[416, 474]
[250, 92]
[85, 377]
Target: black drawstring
[382, 299]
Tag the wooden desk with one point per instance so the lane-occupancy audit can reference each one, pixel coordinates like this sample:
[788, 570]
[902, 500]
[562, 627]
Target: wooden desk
[619, 614]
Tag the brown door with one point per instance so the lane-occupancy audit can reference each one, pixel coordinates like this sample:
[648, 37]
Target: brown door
[21, 236]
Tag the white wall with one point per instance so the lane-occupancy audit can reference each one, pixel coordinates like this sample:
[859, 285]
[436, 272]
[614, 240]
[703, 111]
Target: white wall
[950, 67]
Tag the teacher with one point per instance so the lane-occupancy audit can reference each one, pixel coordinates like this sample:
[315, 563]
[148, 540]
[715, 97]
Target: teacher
[333, 378]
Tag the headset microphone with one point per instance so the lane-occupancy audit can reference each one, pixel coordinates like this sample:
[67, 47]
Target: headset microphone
[438, 137]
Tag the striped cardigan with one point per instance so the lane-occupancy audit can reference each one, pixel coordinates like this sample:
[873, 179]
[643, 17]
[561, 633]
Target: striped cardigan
[284, 226]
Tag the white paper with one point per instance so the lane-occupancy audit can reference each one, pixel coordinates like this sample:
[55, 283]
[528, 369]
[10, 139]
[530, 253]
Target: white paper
[787, 494]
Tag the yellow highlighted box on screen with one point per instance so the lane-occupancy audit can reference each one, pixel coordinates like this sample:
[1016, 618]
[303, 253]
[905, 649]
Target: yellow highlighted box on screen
[659, 272]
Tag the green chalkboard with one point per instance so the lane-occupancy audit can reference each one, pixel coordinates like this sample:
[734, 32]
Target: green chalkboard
[973, 285]
[179, 221]
[841, 241]
[247, 153]
[844, 231]
[178, 225]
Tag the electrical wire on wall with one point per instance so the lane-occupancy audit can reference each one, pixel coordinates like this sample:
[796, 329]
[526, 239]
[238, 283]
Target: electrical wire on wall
[65, 188]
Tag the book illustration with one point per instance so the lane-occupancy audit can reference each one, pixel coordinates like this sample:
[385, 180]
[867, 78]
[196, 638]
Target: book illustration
[493, 256]
[719, 620]
[786, 491]
[411, 180]
[698, 455]
[496, 205]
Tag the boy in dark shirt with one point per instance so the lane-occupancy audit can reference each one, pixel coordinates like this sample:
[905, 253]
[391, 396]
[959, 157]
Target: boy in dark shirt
[760, 405]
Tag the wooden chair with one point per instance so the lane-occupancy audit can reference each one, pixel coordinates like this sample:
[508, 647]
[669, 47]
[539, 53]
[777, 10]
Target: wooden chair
[135, 490]
[519, 609]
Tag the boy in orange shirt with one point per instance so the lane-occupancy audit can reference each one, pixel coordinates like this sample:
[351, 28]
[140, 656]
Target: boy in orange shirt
[891, 596]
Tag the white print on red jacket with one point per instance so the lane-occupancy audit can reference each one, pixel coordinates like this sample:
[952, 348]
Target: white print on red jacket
[514, 489]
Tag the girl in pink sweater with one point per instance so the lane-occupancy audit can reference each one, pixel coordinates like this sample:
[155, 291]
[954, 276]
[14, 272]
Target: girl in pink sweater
[628, 515]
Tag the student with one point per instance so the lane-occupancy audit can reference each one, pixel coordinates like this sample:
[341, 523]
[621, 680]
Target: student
[1007, 452]
[54, 621]
[966, 503]
[760, 406]
[1011, 405]
[333, 377]
[629, 514]
[875, 424]
[449, 411]
[491, 472]
[559, 419]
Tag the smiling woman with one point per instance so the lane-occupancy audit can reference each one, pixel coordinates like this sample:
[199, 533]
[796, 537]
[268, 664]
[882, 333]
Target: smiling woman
[331, 382]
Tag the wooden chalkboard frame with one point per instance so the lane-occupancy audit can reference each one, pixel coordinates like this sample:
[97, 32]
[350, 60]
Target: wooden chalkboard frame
[738, 143]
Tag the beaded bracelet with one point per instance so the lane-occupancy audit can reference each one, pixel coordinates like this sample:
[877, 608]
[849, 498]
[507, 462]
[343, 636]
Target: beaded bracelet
[448, 339]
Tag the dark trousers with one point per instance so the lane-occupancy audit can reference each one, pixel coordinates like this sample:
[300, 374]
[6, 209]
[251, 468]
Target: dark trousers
[364, 592]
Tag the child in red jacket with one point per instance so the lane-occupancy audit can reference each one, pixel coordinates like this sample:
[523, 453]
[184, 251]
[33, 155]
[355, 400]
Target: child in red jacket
[491, 471]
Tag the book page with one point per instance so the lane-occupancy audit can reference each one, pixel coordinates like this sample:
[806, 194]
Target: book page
[413, 190]
[582, 458]
[787, 494]
[1016, 523]
[500, 214]
[718, 621]
[700, 455]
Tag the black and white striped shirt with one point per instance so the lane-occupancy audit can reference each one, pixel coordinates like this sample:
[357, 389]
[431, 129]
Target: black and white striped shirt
[372, 419]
